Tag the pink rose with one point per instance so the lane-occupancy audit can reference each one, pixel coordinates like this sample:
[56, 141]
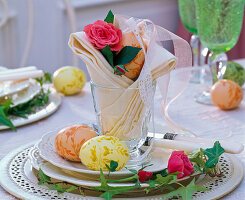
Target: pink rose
[101, 33]
[179, 162]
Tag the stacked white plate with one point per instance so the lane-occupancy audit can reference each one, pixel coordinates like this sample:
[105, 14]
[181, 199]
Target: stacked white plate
[22, 91]
[43, 155]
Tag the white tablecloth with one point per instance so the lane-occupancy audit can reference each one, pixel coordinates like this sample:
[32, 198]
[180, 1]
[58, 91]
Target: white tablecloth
[206, 121]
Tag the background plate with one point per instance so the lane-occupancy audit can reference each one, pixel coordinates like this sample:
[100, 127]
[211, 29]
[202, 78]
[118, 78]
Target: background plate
[50, 108]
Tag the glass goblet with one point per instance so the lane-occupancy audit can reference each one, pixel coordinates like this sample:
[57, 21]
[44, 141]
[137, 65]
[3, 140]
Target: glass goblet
[219, 25]
[120, 112]
[188, 17]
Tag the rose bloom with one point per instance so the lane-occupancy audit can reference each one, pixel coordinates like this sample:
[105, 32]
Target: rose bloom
[179, 162]
[101, 33]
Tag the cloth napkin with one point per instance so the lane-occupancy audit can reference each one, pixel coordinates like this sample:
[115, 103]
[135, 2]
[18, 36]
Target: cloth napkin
[122, 111]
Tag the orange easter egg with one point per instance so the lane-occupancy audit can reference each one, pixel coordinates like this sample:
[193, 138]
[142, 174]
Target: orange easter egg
[135, 66]
[69, 140]
[226, 94]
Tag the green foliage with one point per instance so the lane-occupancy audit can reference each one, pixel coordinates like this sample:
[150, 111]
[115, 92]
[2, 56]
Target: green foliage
[110, 191]
[22, 110]
[107, 53]
[213, 154]
[126, 55]
[186, 192]
[113, 166]
[47, 78]
[4, 108]
[110, 17]
[44, 179]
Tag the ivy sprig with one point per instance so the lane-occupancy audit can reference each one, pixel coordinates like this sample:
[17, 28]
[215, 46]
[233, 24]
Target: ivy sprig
[46, 180]
[159, 181]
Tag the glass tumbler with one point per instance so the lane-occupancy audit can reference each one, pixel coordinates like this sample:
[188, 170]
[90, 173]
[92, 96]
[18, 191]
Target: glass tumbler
[121, 113]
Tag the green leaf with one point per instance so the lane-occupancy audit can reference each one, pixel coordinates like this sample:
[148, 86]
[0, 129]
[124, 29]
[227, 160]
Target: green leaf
[171, 178]
[126, 55]
[4, 119]
[133, 171]
[47, 77]
[152, 183]
[71, 188]
[213, 154]
[186, 192]
[110, 17]
[44, 177]
[113, 166]
[107, 53]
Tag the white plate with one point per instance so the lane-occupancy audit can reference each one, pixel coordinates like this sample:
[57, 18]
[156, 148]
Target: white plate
[56, 173]
[10, 87]
[24, 95]
[50, 108]
[19, 180]
[48, 152]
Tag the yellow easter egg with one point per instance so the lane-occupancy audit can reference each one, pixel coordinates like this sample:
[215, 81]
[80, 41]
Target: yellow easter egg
[226, 94]
[69, 140]
[101, 150]
[69, 80]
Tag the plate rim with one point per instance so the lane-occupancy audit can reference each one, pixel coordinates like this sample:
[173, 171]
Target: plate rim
[17, 192]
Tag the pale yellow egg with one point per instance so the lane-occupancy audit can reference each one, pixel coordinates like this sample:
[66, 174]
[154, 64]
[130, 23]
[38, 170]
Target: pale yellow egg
[69, 140]
[69, 80]
[101, 150]
[226, 94]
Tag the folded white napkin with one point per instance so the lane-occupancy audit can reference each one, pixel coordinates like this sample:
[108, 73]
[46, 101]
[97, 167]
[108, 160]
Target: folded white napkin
[122, 111]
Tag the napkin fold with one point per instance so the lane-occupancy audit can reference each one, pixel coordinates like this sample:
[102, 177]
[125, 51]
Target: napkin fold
[122, 110]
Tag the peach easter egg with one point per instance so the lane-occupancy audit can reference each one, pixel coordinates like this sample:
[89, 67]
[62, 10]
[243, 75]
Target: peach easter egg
[69, 141]
[226, 94]
[135, 66]
[101, 150]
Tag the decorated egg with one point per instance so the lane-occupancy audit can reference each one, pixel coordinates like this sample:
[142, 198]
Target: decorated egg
[69, 80]
[135, 66]
[101, 150]
[69, 141]
[235, 72]
[226, 94]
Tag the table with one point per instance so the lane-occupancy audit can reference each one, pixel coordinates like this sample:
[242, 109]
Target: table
[204, 120]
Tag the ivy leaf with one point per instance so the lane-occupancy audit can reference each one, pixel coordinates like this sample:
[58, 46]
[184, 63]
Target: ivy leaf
[4, 119]
[71, 188]
[133, 171]
[44, 177]
[126, 55]
[171, 178]
[152, 183]
[107, 53]
[113, 166]
[187, 192]
[213, 154]
[110, 191]
[110, 17]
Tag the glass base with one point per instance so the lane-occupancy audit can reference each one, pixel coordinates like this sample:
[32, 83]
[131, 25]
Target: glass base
[134, 162]
[204, 98]
[195, 76]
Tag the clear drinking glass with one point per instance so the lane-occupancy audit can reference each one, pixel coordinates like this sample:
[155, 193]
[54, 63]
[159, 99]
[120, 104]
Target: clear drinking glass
[121, 113]
[188, 17]
[219, 25]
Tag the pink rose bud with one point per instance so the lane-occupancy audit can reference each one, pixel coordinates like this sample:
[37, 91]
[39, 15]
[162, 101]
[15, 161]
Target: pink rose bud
[120, 70]
[101, 33]
[144, 176]
[179, 162]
